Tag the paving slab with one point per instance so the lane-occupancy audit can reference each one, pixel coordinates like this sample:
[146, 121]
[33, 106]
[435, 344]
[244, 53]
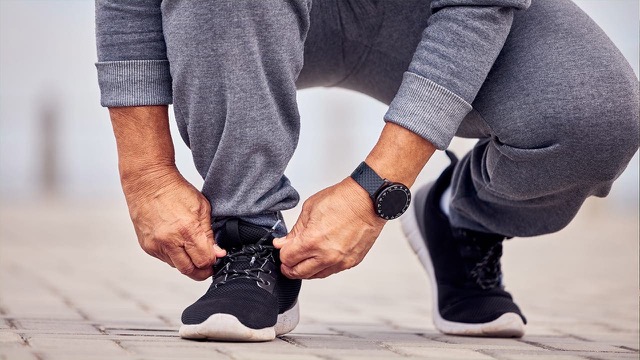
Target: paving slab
[22, 353]
[443, 354]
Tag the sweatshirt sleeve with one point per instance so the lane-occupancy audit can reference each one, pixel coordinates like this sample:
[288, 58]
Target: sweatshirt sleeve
[133, 69]
[458, 48]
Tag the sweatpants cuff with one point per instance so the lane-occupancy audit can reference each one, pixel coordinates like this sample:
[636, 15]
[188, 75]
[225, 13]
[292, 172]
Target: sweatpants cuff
[427, 109]
[134, 83]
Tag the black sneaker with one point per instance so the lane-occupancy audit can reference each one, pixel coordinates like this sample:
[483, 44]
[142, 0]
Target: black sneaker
[249, 298]
[464, 267]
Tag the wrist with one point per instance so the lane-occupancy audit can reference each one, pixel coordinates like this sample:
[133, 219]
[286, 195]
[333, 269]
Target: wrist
[362, 202]
[399, 155]
[143, 140]
[141, 182]
[132, 168]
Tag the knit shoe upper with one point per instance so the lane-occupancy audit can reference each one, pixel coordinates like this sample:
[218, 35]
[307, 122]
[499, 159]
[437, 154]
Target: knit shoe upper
[466, 263]
[247, 283]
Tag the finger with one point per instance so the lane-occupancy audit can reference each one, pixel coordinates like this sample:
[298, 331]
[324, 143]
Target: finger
[205, 221]
[201, 274]
[200, 253]
[278, 243]
[183, 263]
[199, 247]
[220, 252]
[164, 258]
[328, 272]
[296, 251]
[304, 269]
[297, 229]
[296, 246]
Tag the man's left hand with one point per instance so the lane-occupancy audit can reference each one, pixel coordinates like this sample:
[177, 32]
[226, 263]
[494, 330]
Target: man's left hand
[335, 230]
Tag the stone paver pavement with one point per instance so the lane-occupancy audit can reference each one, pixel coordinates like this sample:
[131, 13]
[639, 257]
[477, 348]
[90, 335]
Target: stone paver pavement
[75, 285]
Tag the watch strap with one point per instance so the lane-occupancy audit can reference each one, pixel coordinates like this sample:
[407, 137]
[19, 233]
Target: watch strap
[367, 178]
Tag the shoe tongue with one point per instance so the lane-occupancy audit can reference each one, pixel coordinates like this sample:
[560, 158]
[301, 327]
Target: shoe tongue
[474, 245]
[237, 233]
[481, 254]
[475, 237]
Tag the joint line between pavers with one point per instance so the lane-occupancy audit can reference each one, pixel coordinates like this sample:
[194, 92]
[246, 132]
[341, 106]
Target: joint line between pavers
[24, 339]
[142, 305]
[100, 328]
[52, 289]
[325, 357]
[225, 353]
[345, 333]
[291, 341]
[392, 349]
[542, 346]
[118, 344]
[628, 348]
[552, 348]
[12, 323]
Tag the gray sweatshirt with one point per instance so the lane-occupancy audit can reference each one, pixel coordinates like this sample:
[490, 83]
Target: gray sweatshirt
[458, 48]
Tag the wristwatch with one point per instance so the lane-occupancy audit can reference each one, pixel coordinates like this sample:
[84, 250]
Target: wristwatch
[390, 199]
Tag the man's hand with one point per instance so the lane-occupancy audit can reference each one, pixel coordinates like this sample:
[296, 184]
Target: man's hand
[338, 225]
[335, 230]
[172, 220]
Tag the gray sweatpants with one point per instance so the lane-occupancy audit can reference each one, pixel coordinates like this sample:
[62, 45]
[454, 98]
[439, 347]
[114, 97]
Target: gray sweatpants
[556, 119]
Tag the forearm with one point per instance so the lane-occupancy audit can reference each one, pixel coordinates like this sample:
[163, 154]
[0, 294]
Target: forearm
[143, 140]
[399, 155]
[172, 218]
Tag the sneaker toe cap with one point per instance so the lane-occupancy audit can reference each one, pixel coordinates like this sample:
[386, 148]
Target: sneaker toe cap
[480, 309]
[256, 311]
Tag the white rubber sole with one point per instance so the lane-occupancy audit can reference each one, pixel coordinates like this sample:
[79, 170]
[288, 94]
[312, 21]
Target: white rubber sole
[507, 325]
[226, 327]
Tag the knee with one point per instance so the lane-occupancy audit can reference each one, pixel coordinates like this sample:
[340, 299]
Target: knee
[583, 147]
[591, 135]
[605, 135]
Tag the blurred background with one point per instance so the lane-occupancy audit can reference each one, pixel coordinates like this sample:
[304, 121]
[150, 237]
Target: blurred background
[56, 140]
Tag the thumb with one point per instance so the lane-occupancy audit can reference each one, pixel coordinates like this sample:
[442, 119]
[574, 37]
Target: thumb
[278, 243]
[220, 252]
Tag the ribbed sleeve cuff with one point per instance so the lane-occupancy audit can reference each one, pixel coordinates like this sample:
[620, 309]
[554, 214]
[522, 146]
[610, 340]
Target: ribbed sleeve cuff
[134, 83]
[427, 109]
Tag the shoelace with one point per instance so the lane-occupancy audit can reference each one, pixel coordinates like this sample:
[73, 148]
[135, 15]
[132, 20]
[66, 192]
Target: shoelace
[258, 254]
[486, 272]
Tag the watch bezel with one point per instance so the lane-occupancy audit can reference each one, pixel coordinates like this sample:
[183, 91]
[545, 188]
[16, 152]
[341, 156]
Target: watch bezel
[382, 192]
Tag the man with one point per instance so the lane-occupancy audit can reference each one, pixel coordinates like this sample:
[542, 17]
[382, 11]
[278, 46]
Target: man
[551, 100]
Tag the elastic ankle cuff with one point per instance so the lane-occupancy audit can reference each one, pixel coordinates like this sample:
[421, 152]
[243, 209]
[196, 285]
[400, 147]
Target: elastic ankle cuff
[264, 220]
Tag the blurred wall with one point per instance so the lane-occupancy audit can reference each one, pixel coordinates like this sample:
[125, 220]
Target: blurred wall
[56, 141]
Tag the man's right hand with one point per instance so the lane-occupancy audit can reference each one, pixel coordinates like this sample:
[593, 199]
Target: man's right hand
[171, 217]
[172, 220]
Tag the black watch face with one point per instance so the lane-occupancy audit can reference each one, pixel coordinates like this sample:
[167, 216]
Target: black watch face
[392, 201]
